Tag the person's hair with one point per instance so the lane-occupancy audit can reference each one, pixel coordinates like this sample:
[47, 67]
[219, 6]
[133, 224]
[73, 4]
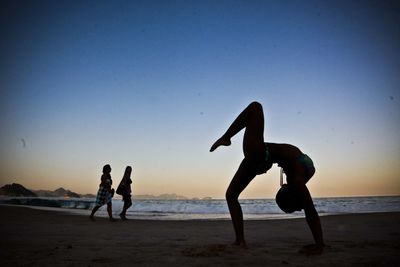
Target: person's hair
[288, 199]
[127, 173]
[106, 168]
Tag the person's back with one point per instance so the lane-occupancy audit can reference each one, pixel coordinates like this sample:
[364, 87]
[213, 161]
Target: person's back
[106, 180]
[294, 162]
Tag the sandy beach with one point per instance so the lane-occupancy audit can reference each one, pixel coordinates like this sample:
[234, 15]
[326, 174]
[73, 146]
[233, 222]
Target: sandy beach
[32, 237]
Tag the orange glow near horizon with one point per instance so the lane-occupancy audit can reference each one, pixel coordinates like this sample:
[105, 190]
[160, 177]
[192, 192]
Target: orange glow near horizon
[82, 87]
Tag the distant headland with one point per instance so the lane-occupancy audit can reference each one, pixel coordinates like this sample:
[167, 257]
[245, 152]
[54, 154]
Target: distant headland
[18, 190]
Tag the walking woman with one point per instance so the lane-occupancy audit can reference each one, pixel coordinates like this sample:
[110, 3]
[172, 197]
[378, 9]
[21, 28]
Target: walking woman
[105, 193]
[124, 189]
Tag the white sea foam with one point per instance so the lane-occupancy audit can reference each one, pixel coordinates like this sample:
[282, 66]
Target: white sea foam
[214, 209]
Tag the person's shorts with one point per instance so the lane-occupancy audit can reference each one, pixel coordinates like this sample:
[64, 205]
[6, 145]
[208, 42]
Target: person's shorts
[258, 165]
[308, 164]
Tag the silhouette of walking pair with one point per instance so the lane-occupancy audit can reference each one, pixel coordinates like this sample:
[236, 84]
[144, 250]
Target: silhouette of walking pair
[106, 192]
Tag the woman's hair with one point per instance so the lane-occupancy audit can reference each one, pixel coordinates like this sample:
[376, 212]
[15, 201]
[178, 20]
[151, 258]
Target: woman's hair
[106, 168]
[128, 171]
[288, 199]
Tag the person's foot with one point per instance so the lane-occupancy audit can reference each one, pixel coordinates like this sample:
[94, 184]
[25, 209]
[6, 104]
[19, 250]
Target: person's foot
[92, 218]
[112, 220]
[311, 250]
[123, 217]
[241, 244]
[220, 142]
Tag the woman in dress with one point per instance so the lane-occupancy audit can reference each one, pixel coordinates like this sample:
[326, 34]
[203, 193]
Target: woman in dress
[105, 193]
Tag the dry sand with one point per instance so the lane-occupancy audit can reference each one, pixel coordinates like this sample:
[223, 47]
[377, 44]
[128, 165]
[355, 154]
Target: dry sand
[31, 237]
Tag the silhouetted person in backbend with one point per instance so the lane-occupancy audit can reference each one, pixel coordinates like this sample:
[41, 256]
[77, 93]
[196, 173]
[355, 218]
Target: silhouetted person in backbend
[258, 159]
[124, 189]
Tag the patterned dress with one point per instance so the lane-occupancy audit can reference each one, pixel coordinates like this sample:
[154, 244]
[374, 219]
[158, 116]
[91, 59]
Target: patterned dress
[104, 195]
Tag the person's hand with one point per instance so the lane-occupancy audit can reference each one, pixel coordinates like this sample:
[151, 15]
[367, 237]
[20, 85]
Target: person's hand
[312, 249]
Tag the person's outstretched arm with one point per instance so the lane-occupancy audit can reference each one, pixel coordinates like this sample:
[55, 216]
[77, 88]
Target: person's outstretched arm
[312, 219]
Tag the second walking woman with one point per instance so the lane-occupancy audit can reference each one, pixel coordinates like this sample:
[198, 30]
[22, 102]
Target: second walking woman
[124, 189]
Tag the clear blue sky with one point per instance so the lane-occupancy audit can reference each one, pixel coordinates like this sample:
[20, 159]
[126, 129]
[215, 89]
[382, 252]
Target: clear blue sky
[153, 83]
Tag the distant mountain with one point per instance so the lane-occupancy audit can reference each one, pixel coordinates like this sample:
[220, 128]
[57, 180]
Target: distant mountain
[60, 192]
[16, 190]
[19, 190]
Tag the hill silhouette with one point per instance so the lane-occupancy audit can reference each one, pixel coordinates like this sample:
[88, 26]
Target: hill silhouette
[16, 190]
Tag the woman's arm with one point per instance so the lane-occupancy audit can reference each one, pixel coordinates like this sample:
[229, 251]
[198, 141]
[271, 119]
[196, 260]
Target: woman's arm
[312, 217]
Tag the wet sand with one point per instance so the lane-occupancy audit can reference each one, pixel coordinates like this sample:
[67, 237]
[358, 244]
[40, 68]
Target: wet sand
[31, 237]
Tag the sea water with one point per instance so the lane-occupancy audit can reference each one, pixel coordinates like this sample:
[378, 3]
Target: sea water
[211, 209]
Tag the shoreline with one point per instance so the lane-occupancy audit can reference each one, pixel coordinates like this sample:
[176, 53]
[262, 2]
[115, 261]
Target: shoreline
[143, 217]
[263, 209]
[85, 213]
[140, 217]
[48, 238]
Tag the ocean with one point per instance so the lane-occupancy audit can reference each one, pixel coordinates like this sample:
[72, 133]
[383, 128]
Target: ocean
[213, 209]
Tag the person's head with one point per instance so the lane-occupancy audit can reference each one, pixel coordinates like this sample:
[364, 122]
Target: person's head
[128, 171]
[288, 199]
[107, 168]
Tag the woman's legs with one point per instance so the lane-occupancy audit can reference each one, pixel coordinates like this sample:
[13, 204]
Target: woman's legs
[240, 180]
[251, 118]
[109, 211]
[127, 204]
[94, 211]
[123, 212]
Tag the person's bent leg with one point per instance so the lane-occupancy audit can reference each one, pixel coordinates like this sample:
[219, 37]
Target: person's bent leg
[123, 212]
[93, 212]
[109, 211]
[253, 138]
[251, 118]
[127, 204]
[241, 179]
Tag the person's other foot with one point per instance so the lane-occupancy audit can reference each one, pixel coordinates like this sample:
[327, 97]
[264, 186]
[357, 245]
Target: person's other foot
[220, 142]
[112, 220]
[123, 217]
[311, 250]
[241, 244]
[92, 218]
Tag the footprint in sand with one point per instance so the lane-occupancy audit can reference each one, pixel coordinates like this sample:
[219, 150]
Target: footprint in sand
[210, 250]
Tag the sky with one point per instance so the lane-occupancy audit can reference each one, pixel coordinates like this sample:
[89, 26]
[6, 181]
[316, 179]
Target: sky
[152, 84]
